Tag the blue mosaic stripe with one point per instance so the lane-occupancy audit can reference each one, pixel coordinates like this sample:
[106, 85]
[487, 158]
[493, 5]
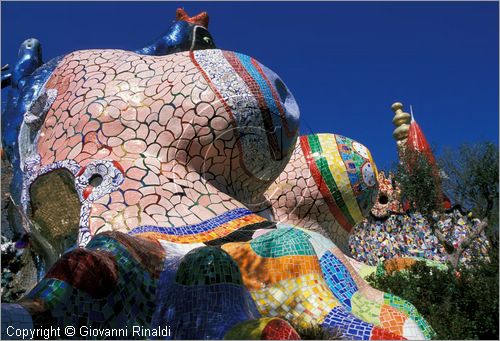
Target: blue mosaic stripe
[246, 61]
[338, 278]
[204, 226]
[351, 327]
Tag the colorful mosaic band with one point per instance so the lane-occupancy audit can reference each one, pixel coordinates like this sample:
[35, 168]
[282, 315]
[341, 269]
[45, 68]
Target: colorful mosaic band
[344, 173]
[245, 67]
[211, 229]
[324, 180]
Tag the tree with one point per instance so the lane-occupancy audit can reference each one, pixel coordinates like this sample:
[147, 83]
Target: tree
[420, 184]
[470, 177]
[471, 180]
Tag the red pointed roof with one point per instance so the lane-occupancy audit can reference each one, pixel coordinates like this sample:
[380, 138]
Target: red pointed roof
[417, 141]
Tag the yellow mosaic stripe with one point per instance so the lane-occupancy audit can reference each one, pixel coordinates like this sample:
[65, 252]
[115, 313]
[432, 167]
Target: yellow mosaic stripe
[270, 270]
[303, 300]
[337, 168]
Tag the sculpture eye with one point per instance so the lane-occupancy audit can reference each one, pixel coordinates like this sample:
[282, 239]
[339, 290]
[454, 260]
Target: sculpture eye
[202, 39]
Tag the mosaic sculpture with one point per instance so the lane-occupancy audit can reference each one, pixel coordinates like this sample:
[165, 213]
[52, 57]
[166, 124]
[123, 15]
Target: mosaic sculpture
[389, 197]
[393, 230]
[328, 186]
[169, 153]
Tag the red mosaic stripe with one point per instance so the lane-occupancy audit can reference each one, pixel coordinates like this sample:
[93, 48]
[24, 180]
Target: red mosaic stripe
[383, 334]
[278, 329]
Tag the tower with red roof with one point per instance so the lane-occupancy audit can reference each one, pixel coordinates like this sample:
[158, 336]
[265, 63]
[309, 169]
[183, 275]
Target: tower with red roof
[410, 137]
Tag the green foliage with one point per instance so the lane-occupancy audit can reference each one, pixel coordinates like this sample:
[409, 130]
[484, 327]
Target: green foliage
[472, 179]
[459, 303]
[419, 183]
[457, 306]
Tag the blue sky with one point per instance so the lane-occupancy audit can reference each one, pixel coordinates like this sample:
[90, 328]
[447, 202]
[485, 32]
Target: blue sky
[345, 62]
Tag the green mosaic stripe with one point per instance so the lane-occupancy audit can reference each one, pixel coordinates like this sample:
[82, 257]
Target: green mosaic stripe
[102, 242]
[367, 310]
[322, 164]
[208, 265]
[411, 311]
[283, 242]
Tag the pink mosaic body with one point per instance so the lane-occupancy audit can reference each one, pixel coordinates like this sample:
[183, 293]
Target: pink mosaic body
[160, 120]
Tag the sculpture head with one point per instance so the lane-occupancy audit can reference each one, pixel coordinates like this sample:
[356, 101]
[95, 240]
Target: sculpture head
[29, 59]
[30, 46]
[186, 34]
[389, 197]
[198, 37]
